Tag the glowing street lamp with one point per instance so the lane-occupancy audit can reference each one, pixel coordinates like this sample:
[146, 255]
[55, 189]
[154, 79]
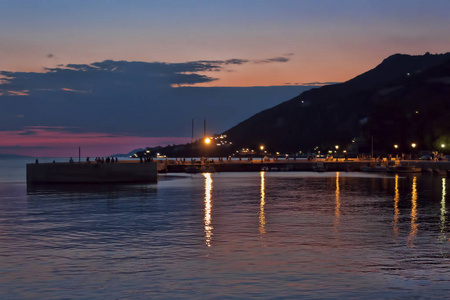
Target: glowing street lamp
[413, 145]
[262, 154]
[337, 147]
[442, 145]
[396, 146]
[207, 142]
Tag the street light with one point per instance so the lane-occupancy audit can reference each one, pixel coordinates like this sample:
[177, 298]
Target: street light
[396, 146]
[413, 145]
[262, 153]
[207, 142]
[337, 147]
[442, 145]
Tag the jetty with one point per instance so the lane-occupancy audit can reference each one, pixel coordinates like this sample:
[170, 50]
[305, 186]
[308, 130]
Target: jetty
[147, 172]
[302, 165]
[92, 172]
[257, 165]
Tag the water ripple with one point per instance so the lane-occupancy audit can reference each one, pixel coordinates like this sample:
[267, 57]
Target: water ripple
[230, 235]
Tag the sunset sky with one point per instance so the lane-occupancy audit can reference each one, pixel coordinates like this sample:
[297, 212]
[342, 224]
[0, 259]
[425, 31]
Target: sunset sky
[112, 76]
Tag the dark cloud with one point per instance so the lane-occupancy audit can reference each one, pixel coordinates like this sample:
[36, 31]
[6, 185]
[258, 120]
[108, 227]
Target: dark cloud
[318, 83]
[271, 60]
[50, 55]
[218, 63]
[94, 77]
[130, 98]
[310, 84]
[15, 148]
[28, 132]
[236, 61]
[108, 75]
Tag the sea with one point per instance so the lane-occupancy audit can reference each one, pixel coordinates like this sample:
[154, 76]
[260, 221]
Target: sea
[263, 235]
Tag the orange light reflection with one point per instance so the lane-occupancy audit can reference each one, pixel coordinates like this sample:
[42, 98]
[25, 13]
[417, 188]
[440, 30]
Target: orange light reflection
[262, 217]
[337, 209]
[396, 210]
[414, 225]
[208, 207]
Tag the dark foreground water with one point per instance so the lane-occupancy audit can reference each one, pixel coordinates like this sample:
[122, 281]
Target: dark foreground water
[228, 235]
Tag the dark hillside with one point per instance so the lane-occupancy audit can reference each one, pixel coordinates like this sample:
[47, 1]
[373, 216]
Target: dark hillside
[418, 112]
[335, 114]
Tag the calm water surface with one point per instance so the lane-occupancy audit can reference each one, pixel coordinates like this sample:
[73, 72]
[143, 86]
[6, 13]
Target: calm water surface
[227, 235]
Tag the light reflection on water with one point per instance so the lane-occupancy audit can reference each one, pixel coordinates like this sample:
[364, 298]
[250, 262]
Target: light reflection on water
[208, 206]
[396, 210]
[262, 217]
[337, 212]
[267, 235]
[443, 236]
[414, 225]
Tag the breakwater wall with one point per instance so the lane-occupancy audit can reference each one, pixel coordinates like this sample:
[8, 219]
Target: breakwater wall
[92, 173]
[256, 166]
[292, 165]
[427, 165]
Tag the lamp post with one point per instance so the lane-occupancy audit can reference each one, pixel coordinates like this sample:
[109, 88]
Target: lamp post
[207, 142]
[337, 148]
[262, 153]
[396, 151]
[413, 146]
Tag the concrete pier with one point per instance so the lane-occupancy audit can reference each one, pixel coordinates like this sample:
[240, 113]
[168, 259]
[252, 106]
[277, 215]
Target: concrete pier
[122, 172]
[303, 165]
[281, 165]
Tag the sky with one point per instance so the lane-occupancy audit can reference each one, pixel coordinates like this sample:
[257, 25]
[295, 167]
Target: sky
[113, 76]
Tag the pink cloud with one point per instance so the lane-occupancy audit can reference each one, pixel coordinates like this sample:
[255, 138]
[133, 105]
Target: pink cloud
[53, 141]
[18, 93]
[72, 90]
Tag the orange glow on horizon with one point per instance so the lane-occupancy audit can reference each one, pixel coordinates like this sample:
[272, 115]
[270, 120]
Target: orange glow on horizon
[301, 69]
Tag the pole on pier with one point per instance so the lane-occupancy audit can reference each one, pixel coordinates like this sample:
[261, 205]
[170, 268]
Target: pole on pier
[192, 136]
[204, 128]
[372, 146]
[79, 154]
